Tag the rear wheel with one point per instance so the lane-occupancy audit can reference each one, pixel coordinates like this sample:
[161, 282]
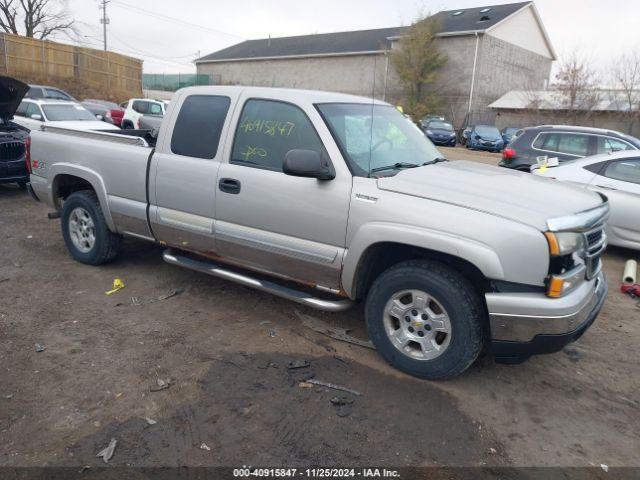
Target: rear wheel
[425, 319]
[85, 230]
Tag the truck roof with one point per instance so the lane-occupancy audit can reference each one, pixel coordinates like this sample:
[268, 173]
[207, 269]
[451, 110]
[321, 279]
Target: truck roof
[290, 94]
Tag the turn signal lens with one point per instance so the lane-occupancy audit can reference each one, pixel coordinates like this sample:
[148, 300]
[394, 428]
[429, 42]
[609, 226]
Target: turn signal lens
[556, 287]
[554, 248]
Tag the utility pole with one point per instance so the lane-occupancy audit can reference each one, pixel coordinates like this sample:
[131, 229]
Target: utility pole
[104, 21]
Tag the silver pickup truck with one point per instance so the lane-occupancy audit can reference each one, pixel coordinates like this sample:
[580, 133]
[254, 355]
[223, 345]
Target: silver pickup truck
[327, 200]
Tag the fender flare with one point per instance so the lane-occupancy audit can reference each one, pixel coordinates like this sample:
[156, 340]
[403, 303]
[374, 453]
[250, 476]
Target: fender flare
[474, 252]
[88, 175]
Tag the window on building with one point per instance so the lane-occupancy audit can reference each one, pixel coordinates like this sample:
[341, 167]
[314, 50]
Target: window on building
[199, 126]
[268, 130]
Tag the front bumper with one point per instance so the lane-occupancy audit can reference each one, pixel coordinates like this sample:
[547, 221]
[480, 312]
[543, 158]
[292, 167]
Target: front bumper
[526, 324]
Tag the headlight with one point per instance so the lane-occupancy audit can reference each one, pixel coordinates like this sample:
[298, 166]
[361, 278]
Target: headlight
[429, 132]
[564, 243]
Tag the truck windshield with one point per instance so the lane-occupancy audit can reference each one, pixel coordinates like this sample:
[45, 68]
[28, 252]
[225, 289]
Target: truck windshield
[56, 113]
[376, 138]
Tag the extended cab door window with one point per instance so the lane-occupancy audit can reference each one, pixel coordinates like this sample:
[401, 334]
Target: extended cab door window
[197, 130]
[267, 130]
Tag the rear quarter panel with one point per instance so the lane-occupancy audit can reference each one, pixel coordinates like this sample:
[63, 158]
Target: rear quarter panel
[117, 172]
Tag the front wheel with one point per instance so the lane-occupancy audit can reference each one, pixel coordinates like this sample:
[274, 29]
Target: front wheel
[425, 319]
[85, 230]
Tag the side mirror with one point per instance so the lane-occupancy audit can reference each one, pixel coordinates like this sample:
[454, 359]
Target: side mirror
[35, 116]
[100, 117]
[309, 164]
[477, 136]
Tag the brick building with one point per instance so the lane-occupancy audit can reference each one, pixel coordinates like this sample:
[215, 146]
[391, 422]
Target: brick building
[491, 50]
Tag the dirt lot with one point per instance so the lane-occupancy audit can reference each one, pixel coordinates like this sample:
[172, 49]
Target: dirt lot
[232, 401]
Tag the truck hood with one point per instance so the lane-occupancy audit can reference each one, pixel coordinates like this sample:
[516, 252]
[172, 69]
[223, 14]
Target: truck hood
[12, 92]
[506, 193]
[83, 125]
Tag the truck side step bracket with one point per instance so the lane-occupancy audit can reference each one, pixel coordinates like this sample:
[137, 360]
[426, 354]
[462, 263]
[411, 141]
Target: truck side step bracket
[212, 268]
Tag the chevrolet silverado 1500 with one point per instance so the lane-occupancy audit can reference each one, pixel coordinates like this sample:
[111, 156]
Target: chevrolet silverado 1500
[329, 199]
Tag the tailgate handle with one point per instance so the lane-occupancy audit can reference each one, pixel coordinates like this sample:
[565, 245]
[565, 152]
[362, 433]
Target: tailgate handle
[229, 185]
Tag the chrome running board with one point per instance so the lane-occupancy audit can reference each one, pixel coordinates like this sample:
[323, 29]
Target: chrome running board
[288, 293]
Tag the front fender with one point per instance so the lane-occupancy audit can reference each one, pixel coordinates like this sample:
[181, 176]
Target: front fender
[58, 169]
[473, 251]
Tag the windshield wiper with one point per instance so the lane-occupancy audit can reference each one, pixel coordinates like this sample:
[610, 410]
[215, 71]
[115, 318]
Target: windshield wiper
[395, 166]
[436, 160]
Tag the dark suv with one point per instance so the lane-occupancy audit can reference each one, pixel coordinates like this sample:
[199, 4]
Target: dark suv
[13, 137]
[564, 142]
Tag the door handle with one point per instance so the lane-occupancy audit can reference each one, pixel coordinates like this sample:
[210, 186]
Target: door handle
[229, 185]
[606, 187]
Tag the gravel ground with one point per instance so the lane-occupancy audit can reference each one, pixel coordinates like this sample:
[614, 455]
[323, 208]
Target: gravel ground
[223, 351]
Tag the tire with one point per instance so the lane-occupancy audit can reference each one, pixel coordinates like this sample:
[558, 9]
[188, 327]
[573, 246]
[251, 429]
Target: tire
[453, 295]
[22, 184]
[127, 125]
[84, 206]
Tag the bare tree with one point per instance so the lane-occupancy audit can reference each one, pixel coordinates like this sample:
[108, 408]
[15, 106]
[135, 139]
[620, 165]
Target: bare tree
[36, 18]
[625, 77]
[417, 61]
[577, 87]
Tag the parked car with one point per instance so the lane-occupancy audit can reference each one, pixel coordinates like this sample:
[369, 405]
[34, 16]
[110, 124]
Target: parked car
[346, 199]
[430, 118]
[137, 107]
[13, 137]
[484, 137]
[616, 175]
[104, 110]
[149, 122]
[32, 114]
[564, 143]
[508, 133]
[441, 133]
[44, 91]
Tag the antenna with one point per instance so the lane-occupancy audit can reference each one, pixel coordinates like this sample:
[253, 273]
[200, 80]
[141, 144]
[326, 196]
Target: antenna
[104, 21]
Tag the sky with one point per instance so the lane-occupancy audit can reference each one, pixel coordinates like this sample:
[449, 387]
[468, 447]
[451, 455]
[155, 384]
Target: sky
[169, 34]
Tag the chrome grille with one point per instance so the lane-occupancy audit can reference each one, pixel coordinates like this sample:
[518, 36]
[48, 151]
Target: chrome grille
[596, 242]
[11, 151]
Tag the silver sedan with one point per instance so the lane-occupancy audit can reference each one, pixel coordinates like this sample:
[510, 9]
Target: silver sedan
[616, 175]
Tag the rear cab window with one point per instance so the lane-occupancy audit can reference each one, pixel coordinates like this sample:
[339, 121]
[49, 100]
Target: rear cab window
[199, 126]
[267, 130]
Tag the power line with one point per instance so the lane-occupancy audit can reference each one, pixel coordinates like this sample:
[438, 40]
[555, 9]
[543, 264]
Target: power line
[167, 18]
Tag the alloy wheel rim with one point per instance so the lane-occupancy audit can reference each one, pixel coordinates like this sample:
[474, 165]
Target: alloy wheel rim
[82, 230]
[417, 324]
